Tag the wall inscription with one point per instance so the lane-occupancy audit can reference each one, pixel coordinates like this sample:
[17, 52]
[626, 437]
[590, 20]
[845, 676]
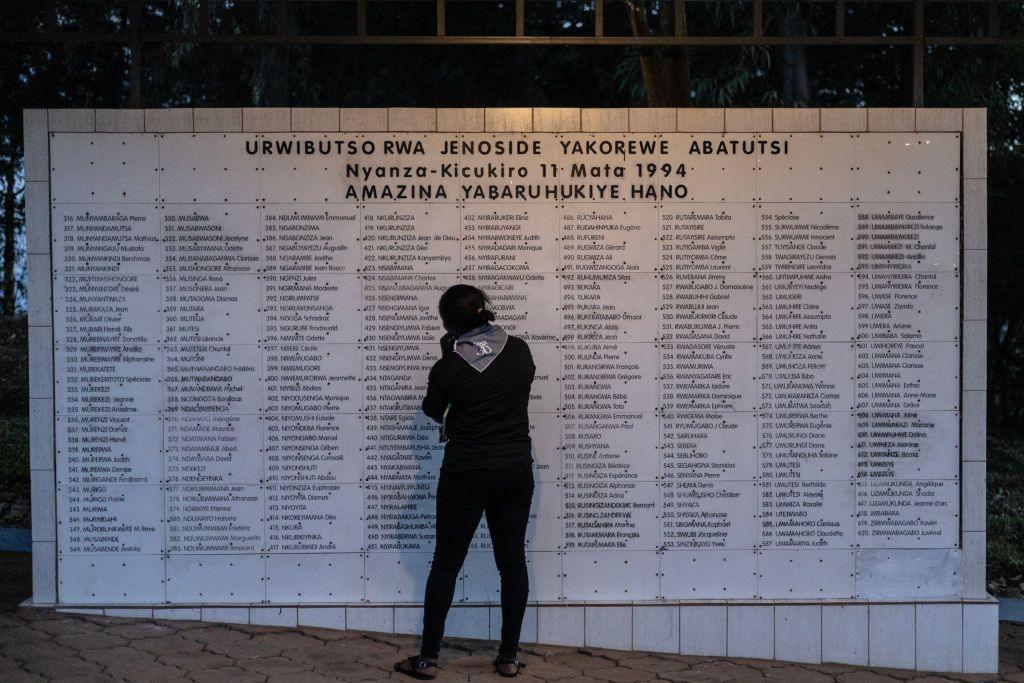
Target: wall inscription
[747, 348]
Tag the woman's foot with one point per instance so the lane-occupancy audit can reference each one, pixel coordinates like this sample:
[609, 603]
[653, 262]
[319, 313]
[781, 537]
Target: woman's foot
[507, 666]
[417, 666]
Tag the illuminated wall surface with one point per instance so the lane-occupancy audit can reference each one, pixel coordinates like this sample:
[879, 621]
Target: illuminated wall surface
[748, 351]
[747, 359]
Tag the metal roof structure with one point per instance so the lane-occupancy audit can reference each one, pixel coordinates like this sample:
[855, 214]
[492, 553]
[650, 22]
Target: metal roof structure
[133, 35]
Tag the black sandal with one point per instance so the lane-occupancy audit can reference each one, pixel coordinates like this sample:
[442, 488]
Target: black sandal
[417, 666]
[508, 667]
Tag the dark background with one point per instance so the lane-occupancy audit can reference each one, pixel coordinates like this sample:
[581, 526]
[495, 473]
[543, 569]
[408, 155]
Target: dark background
[96, 72]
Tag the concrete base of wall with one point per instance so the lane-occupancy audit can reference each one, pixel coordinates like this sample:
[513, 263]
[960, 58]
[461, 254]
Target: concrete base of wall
[951, 636]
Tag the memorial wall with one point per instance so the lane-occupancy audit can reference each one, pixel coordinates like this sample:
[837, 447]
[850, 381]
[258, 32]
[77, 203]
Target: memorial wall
[747, 349]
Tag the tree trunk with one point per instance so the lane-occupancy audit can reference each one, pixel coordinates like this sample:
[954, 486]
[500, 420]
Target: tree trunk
[666, 75]
[676, 62]
[648, 66]
[792, 61]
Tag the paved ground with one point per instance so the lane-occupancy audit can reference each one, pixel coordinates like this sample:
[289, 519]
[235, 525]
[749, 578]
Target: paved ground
[39, 645]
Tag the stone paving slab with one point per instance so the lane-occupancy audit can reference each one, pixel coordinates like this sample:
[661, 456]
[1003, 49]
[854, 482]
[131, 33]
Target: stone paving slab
[44, 645]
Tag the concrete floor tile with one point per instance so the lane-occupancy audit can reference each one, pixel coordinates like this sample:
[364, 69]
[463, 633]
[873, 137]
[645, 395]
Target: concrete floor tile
[272, 665]
[194, 661]
[167, 645]
[228, 674]
[44, 645]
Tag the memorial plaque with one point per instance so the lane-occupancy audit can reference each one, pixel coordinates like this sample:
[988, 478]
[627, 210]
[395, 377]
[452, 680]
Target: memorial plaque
[747, 348]
[104, 168]
[709, 515]
[108, 239]
[907, 167]
[310, 308]
[707, 238]
[111, 450]
[714, 168]
[806, 514]
[214, 449]
[312, 516]
[221, 309]
[215, 519]
[822, 172]
[210, 239]
[200, 578]
[301, 171]
[101, 379]
[112, 579]
[107, 309]
[900, 513]
[785, 573]
[708, 446]
[502, 242]
[606, 575]
[324, 447]
[708, 574]
[110, 520]
[212, 378]
[319, 378]
[315, 578]
[709, 376]
[311, 239]
[208, 168]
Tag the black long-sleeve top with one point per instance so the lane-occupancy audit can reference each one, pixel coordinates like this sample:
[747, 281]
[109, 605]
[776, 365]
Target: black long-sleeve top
[487, 423]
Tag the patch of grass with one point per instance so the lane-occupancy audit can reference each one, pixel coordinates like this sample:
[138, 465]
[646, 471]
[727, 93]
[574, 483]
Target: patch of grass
[1006, 513]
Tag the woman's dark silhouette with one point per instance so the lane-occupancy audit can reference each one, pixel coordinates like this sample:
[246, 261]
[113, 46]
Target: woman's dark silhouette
[478, 393]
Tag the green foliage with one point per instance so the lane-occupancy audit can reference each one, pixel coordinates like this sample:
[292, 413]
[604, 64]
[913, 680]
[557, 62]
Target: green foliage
[14, 366]
[14, 422]
[14, 473]
[994, 78]
[1006, 513]
[14, 462]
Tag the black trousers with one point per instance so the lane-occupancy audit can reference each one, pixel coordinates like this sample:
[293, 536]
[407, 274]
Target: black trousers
[462, 498]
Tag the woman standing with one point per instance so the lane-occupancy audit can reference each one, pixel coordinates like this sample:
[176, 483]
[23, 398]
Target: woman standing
[478, 393]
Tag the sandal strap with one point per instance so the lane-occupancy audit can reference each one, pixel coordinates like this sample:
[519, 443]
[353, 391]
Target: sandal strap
[509, 660]
[418, 662]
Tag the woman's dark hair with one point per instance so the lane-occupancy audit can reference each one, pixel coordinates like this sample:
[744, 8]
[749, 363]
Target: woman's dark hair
[464, 307]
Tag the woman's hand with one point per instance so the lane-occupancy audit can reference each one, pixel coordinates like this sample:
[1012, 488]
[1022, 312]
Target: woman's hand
[447, 344]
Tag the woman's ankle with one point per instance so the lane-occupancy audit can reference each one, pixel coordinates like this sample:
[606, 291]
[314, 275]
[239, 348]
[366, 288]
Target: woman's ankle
[508, 651]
